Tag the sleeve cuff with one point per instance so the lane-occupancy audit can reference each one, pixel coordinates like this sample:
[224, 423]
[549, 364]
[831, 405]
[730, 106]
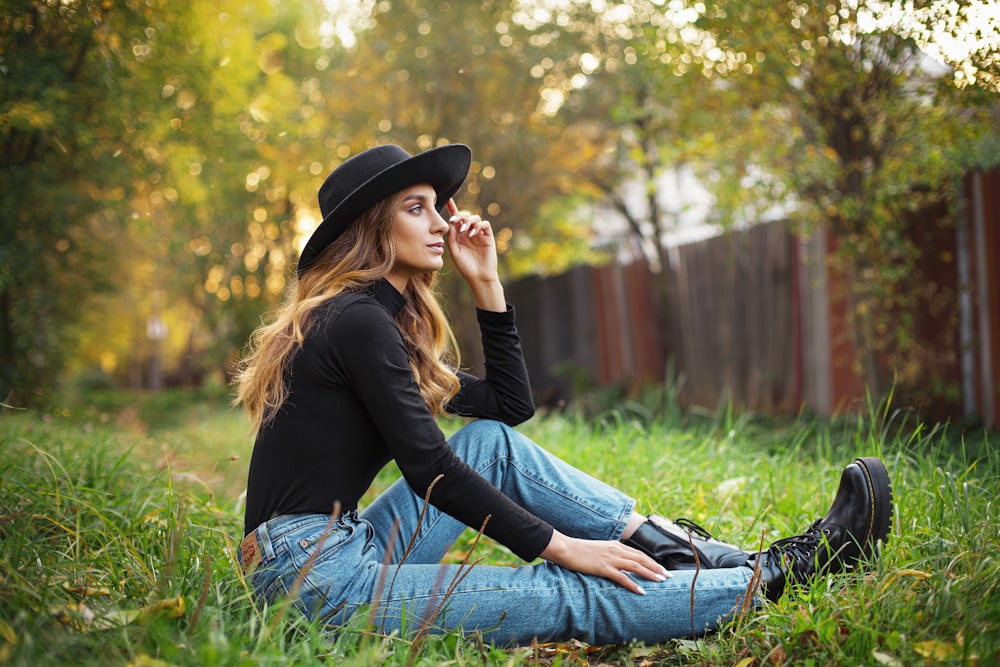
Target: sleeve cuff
[493, 317]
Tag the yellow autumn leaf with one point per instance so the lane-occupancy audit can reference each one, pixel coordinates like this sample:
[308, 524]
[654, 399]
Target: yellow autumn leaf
[74, 615]
[169, 608]
[745, 662]
[8, 633]
[919, 574]
[87, 591]
[936, 650]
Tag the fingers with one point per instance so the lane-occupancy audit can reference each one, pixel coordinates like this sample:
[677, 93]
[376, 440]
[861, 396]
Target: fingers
[479, 227]
[644, 566]
[626, 582]
[624, 560]
[609, 559]
[470, 224]
[622, 578]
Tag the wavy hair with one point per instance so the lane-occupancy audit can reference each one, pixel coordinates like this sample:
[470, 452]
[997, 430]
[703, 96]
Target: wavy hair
[361, 256]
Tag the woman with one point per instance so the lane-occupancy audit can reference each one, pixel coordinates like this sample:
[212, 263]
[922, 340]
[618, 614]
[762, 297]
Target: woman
[352, 373]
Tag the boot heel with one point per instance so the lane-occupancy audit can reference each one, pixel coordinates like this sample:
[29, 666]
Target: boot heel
[881, 494]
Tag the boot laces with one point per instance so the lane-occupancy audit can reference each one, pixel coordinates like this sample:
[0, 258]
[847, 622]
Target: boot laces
[799, 548]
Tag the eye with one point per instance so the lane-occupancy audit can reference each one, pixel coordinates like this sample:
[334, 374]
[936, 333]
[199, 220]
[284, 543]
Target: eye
[416, 210]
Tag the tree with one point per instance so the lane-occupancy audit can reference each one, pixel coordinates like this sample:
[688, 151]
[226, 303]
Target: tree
[964, 35]
[868, 139]
[60, 166]
[631, 100]
[626, 95]
[464, 72]
[469, 73]
[135, 185]
[831, 112]
[164, 159]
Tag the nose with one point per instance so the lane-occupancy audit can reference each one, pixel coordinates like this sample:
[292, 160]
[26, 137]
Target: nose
[438, 223]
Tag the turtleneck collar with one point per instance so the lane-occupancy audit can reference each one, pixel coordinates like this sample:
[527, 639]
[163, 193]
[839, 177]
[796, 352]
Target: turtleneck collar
[387, 295]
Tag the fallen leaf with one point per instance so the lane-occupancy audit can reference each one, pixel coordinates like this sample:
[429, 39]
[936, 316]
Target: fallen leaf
[8, 633]
[919, 574]
[87, 591]
[777, 656]
[689, 646]
[116, 618]
[809, 638]
[935, 650]
[76, 615]
[169, 608]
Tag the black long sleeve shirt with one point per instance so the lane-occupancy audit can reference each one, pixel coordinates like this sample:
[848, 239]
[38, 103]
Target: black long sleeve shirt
[354, 405]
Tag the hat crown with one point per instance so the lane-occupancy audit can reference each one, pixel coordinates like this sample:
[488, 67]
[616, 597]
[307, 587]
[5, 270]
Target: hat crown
[355, 172]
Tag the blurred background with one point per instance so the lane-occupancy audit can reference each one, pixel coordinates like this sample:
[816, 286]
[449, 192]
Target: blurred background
[775, 205]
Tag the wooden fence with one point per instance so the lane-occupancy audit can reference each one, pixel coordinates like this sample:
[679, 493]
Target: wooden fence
[736, 306]
[762, 320]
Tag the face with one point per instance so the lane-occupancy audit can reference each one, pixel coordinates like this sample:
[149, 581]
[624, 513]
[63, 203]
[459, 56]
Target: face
[417, 235]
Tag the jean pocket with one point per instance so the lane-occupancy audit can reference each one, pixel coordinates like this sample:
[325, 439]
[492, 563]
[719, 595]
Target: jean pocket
[313, 545]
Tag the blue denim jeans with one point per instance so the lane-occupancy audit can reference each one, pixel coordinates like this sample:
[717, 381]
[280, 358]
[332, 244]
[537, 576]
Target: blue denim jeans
[355, 563]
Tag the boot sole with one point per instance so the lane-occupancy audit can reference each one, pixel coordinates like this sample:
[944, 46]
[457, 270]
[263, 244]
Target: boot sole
[877, 478]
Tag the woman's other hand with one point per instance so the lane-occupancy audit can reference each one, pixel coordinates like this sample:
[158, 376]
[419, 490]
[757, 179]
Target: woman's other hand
[604, 558]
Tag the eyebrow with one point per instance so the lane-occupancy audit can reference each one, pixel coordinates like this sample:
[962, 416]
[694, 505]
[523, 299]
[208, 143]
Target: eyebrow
[416, 196]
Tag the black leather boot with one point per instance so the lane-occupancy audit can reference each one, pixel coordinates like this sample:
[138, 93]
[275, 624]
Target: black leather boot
[673, 544]
[860, 516]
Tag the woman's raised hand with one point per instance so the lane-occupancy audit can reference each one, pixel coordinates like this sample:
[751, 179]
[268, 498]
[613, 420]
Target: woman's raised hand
[474, 251]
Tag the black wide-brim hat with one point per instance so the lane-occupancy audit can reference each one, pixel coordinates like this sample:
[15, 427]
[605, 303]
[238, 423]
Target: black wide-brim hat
[367, 178]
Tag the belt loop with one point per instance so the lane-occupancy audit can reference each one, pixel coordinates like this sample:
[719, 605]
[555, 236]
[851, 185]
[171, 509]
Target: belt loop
[265, 541]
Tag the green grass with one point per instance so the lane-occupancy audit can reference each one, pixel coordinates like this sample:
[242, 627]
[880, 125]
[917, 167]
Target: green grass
[118, 522]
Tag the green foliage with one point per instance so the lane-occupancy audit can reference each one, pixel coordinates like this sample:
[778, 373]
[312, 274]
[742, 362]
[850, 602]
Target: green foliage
[161, 159]
[476, 74]
[59, 81]
[93, 196]
[118, 542]
[162, 162]
[871, 138]
[639, 111]
[829, 114]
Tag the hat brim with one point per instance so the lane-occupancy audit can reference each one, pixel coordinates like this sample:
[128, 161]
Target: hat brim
[444, 168]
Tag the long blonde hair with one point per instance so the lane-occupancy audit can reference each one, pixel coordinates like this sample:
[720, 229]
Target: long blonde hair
[361, 256]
